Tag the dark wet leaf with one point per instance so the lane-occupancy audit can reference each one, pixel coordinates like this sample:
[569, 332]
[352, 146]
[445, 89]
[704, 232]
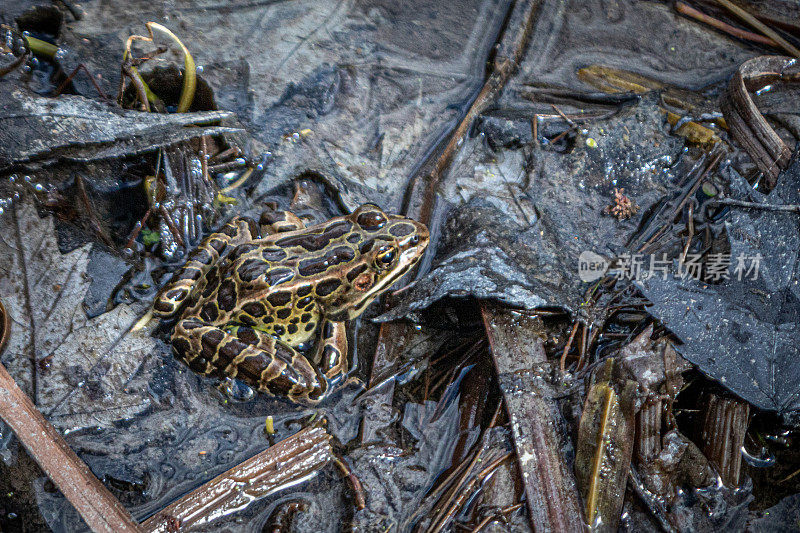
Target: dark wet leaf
[80, 372]
[396, 480]
[524, 219]
[74, 128]
[743, 332]
[783, 517]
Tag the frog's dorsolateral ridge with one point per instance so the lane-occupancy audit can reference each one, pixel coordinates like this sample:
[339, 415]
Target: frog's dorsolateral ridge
[249, 301]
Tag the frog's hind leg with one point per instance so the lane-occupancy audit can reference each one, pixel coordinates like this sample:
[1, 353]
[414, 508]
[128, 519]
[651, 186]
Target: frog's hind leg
[331, 354]
[274, 221]
[172, 297]
[249, 355]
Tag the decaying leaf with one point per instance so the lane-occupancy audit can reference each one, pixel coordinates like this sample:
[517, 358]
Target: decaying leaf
[76, 370]
[605, 444]
[743, 332]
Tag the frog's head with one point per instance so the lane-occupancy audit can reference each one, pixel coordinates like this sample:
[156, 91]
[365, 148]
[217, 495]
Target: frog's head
[387, 246]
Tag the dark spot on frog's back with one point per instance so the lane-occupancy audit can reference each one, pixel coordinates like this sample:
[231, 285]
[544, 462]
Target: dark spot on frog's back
[283, 314]
[273, 255]
[317, 240]
[231, 349]
[209, 313]
[366, 246]
[279, 299]
[201, 255]
[401, 229]
[181, 347]
[276, 276]
[218, 245]
[162, 306]
[337, 229]
[247, 336]
[318, 265]
[353, 274]
[326, 287]
[251, 269]
[211, 339]
[226, 297]
[176, 294]
[255, 309]
[212, 282]
[241, 250]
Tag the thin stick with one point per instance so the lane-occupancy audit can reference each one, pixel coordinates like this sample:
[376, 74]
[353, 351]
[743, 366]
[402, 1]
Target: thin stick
[137, 228]
[561, 364]
[791, 208]
[90, 212]
[355, 483]
[760, 26]
[501, 513]
[138, 83]
[170, 224]
[689, 11]
[225, 154]
[691, 233]
[675, 212]
[88, 74]
[97, 506]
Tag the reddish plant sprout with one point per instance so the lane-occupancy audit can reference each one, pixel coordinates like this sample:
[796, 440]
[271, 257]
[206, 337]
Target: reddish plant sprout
[623, 207]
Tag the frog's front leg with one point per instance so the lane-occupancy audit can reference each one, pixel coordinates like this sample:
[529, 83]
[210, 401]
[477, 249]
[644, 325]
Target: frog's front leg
[250, 355]
[273, 221]
[331, 354]
[171, 298]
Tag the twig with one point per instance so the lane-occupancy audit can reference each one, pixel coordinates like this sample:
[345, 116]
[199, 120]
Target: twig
[497, 516]
[518, 350]
[90, 212]
[170, 224]
[561, 364]
[685, 9]
[791, 208]
[509, 54]
[88, 74]
[5, 327]
[760, 26]
[24, 54]
[291, 460]
[355, 483]
[233, 151]
[746, 122]
[685, 198]
[97, 506]
[138, 84]
[137, 228]
[690, 223]
[465, 493]
[229, 165]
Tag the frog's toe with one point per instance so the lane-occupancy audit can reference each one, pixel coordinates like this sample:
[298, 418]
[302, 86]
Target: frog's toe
[295, 378]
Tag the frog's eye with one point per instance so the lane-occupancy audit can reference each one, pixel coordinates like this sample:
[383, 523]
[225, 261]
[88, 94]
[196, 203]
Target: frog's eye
[371, 219]
[386, 256]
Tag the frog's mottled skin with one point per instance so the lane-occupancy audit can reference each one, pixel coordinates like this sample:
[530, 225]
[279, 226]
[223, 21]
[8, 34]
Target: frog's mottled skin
[250, 300]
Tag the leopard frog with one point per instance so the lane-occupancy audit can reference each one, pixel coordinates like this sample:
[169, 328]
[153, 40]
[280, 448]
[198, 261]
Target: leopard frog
[247, 302]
